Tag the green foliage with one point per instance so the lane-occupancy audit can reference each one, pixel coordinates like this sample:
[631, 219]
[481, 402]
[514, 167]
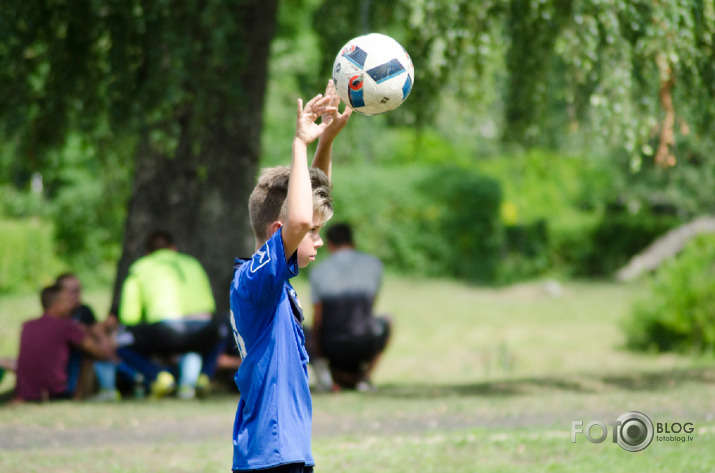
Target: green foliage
[542, 184]
[642, 204]
[85, 82]
[552, 217]
[138, 64]
[597, 245]
[48, 60]
[468, 206]
[679, 312]
[82, 190]
[592, 69]
[88, 198]
[87, 86]
[18, 204]
[552, 202]
[533, 28]
[429, 220]
[587, 216]
[27, 255]
[571, 244]
[684, 190]
[620, 236]
[526, 251]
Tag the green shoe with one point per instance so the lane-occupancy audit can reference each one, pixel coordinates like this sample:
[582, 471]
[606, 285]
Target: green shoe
[203, 386]
[106, 395]
[162, 386]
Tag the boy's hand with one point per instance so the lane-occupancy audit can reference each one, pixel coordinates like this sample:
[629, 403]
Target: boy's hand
[335, 120]
[307, 130]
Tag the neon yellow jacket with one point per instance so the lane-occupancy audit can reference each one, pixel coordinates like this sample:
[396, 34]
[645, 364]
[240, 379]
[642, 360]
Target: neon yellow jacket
[165, 285]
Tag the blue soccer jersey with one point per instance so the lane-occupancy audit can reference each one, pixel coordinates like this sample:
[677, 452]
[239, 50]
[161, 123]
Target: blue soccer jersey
[274, 415]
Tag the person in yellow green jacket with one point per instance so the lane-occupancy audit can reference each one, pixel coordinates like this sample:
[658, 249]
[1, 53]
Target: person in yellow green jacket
[166, 308]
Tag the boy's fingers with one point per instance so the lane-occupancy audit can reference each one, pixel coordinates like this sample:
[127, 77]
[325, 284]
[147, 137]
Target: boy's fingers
[314, 100]
[322, 107]
[323, 103]
[334, 100]
[330, 89]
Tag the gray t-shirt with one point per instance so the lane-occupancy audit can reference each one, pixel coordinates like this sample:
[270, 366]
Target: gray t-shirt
[346, 285]
[346, 272]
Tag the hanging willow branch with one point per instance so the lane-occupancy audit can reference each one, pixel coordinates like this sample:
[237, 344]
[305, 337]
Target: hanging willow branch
[664, 156]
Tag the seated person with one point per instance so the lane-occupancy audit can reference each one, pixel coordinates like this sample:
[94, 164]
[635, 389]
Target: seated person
[116, 378]
[345, 329]
[45, 345]
[167, 307]
[80, 367]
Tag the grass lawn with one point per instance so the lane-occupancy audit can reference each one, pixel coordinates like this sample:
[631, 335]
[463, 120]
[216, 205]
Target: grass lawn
[475, 380]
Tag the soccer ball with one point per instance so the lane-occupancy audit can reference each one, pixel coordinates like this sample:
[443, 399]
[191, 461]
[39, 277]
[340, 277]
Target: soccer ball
[373, 74]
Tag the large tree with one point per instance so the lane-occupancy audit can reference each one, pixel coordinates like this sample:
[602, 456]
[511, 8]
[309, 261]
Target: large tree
[185, 79]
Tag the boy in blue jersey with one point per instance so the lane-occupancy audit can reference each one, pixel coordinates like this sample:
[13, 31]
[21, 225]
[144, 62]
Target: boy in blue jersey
[288, 207]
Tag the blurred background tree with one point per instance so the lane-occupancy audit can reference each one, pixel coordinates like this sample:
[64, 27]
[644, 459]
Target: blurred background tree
[173, 90]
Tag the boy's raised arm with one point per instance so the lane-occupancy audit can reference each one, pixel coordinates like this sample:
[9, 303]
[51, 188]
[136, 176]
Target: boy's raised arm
[335, 122]
[300, 193]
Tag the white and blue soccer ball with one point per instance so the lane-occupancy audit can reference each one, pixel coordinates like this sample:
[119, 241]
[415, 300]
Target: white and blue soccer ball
[373, 74]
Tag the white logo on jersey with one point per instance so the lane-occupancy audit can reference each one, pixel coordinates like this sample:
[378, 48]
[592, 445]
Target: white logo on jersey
[239, 339]
[264, 256]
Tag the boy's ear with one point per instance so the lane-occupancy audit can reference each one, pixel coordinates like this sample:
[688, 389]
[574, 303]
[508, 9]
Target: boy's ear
[274, 227]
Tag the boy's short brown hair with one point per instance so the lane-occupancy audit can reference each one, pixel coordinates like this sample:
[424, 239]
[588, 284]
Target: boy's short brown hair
[49, 295]
[267, 201]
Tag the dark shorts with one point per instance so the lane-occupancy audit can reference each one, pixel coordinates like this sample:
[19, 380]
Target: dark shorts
[176, 336]
[354, 353]
[289, 468]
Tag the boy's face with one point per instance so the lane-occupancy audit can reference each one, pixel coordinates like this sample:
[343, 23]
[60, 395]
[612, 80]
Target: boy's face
[308, 248]
[74, 288]
[64, 305]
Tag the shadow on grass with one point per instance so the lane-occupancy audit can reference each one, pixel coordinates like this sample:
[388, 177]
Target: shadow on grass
[639, 381]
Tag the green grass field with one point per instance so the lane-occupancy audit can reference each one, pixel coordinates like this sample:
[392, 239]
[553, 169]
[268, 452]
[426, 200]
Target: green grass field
[475, 380]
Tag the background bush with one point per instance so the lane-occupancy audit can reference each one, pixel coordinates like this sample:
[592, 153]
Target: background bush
[552, 204]
[495, 220]
[679, 312]
[27, 255]
[427, 220]
[426, 205]
[621, 235]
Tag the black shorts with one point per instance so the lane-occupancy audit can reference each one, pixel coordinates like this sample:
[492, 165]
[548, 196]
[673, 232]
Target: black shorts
[354, 353]
[289, 468]
[171, 337]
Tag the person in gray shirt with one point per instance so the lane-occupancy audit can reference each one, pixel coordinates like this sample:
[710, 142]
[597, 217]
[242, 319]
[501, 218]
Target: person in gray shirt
[345, 331]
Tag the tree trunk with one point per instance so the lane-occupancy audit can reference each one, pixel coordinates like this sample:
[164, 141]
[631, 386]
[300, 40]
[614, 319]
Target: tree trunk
[201, 197]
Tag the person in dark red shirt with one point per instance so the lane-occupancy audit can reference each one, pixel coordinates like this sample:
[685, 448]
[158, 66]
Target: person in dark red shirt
[45, 345]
